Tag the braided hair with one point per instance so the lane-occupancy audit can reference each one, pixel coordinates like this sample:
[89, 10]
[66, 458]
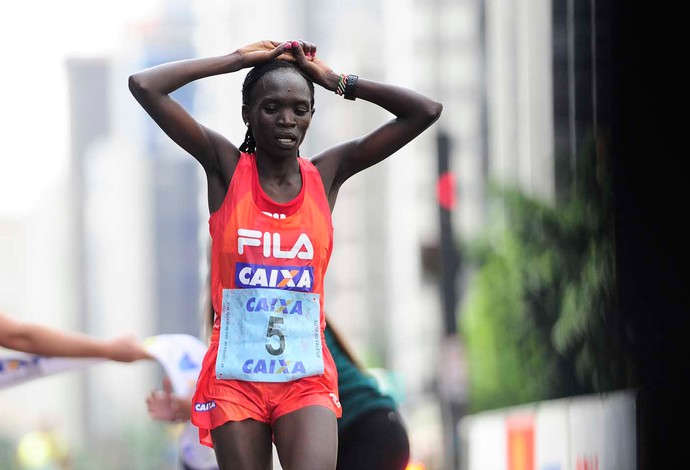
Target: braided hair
[252, 78]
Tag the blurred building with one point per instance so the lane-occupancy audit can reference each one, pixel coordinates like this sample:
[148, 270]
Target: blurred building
[114, 247]
[519, 94]
[111, 240]
[138, 209]
[547, 82]
[176, 182]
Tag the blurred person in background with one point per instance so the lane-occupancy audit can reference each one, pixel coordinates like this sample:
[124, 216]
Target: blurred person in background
[371, 435]
[34, 338]
[43, 449]
[268, 205]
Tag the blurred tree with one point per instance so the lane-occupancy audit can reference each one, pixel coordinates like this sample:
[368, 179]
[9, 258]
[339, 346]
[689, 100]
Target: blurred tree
[539, 317]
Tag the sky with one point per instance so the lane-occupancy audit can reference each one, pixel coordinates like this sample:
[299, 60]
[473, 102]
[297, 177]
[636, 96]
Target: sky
[35, 39]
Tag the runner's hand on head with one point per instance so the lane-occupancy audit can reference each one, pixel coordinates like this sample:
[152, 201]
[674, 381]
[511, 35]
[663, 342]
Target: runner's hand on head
[264, 51]
[305, 56]
[126, 349]
[309, 48]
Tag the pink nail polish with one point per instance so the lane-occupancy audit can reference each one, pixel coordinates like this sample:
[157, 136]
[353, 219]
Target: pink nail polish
[288, 45]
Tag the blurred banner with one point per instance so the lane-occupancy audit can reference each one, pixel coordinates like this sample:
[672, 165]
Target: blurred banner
[180, 356]
[16, 369]
[589, 432]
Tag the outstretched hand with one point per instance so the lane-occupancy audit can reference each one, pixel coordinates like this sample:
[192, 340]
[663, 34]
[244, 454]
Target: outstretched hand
[126, 349]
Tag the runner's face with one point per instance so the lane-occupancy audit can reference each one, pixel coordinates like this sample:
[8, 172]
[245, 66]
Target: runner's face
[280, 112]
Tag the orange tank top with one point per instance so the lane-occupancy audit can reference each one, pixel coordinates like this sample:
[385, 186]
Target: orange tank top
[254, 249]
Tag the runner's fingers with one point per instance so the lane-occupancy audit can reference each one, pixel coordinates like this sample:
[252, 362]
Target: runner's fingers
[298, 51]
[309, 49]
[280, 50]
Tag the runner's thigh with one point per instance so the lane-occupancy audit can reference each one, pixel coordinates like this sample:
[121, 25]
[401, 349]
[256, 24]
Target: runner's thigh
[243, 445]
[307, 439]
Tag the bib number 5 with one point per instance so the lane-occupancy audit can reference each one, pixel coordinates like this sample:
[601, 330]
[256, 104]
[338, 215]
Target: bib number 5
[274, 330]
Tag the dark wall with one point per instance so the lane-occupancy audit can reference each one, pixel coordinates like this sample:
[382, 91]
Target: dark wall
[647, 137]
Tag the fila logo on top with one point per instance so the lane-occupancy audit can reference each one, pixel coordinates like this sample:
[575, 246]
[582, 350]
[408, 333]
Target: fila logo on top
[302, 249]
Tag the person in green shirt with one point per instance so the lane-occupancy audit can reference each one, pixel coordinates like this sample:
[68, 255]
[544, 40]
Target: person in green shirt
[371, 434]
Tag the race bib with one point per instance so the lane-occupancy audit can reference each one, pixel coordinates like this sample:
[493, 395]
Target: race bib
[269, 335]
